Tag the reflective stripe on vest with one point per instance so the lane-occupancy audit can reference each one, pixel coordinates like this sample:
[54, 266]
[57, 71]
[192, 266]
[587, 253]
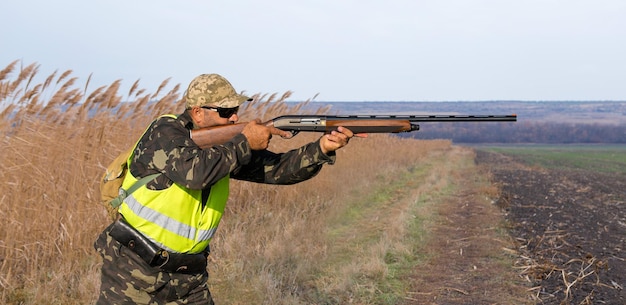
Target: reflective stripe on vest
[174, 218]
[169, 224]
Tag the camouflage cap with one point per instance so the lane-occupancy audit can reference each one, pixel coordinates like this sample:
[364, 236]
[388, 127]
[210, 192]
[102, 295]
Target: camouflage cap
[212, 90]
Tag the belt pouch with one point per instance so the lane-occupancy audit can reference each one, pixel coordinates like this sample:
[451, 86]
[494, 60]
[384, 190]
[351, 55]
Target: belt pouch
[185, 263]
[135, 241]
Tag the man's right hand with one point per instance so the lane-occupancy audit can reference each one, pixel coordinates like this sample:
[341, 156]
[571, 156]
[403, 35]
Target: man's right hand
[259, 135]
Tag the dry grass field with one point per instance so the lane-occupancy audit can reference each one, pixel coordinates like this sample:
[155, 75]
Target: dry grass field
[356, 233]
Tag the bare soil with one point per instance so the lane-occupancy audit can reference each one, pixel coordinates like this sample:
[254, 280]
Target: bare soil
[563, 240]
[570, 230]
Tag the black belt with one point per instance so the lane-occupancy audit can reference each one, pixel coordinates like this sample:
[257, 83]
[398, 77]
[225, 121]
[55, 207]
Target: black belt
[154, 255]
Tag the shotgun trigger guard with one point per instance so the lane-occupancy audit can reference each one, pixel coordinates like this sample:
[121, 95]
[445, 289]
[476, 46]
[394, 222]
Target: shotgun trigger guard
[294, 132]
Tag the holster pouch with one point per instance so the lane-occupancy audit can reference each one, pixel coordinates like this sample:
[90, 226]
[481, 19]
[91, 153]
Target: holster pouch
[135, 241]
[156, 256]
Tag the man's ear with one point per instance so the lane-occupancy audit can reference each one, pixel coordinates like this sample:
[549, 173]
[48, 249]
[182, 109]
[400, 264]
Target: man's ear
[196, 113]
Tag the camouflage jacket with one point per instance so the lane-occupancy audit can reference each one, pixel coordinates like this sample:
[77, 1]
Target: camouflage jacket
[167, 148]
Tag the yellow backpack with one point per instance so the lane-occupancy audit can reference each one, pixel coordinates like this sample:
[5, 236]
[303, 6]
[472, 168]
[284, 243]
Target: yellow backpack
[114, 176]
[111, 192]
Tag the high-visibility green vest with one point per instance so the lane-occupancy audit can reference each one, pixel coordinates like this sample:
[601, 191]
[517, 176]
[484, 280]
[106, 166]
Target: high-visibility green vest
[174, 218]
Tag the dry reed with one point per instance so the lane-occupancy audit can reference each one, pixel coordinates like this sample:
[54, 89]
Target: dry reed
[275, 244]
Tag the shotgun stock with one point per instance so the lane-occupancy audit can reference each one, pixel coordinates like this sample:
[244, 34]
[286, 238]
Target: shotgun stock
[216, 135]
[207, 137]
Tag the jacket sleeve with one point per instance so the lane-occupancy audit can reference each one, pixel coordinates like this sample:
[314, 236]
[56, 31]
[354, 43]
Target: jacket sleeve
[167, 147]
[284, 168]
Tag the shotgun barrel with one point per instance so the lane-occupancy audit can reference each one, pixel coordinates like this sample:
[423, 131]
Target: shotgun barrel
[375, 123]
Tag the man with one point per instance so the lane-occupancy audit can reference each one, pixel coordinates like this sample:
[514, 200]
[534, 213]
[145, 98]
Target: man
[157, 252]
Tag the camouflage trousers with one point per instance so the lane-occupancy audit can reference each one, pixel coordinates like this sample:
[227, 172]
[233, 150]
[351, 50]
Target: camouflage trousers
[127, 279]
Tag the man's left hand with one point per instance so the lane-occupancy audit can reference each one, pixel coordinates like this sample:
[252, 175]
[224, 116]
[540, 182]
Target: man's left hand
[338, 139]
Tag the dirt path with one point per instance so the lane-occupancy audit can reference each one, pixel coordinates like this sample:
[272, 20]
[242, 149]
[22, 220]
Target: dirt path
[470, 258]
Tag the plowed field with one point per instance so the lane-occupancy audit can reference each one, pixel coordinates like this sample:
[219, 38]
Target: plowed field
[569, 226]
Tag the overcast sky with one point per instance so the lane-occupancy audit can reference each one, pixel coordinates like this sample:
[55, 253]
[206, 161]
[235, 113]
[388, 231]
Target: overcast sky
[385, 50]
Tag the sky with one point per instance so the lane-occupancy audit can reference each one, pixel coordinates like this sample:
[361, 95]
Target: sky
[333, 50]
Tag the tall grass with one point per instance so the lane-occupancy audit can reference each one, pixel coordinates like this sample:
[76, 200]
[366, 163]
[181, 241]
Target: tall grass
[276, 244]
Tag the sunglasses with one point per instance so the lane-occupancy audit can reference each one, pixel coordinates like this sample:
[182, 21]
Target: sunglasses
[223, 112]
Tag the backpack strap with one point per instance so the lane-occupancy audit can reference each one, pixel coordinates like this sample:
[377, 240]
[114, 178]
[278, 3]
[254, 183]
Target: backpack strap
[117, 201]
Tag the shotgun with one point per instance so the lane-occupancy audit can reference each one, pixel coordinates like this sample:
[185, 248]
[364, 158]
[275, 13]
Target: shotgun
[207, 137]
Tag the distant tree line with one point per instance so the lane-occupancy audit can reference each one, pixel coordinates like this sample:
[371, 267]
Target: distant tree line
[521, 132]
